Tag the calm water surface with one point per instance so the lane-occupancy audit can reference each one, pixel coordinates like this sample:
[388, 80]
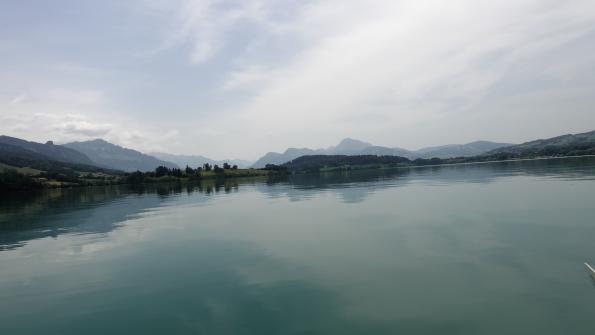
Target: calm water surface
[484, 249]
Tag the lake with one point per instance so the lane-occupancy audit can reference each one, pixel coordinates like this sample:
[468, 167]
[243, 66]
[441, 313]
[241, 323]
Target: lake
[470, 249]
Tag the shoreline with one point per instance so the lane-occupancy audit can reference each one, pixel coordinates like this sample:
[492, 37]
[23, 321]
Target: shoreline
[337, 169]
[50, 185]
[270, 173]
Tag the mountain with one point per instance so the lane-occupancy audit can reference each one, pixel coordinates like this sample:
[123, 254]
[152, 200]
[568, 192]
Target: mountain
[352, 147]
[288, 155]
[348, 146]
[385, 151]
[565, 145]
[195, 161]
[48, 150]
[112, 156]
[19, 158]
[13, 155]
[459, 150]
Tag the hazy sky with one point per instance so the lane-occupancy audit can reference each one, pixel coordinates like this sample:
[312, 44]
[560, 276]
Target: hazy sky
[235, 79]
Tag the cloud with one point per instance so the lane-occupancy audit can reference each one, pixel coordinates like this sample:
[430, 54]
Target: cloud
[246, 78]
[416, 63]
[205, 25]
[84, 128]
[18, 99]
[239, 78]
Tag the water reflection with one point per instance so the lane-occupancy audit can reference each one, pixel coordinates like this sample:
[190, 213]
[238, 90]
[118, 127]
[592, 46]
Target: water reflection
[364, 252]
[354, 186]
[49, 213]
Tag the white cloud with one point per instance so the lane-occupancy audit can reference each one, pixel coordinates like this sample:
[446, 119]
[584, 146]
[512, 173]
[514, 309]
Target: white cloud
[413, 62]
[84, 128]
[18, 99]
[240, 78]
[205, 25]
[246, 78]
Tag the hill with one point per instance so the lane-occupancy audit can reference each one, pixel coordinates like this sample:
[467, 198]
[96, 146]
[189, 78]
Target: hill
[565, 145]
[459, 150]
[47, 150]
[315, 163]
[113, 156]
[385, 151]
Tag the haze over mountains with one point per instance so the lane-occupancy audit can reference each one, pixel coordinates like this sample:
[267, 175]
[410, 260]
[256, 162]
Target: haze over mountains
[195, 161]
[108, 155]
[100, 154]
[349, 146]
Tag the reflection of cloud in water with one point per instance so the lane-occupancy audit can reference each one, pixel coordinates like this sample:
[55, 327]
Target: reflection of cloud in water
[254, 266]
[200, 287]
[92, 210]
[50, 213]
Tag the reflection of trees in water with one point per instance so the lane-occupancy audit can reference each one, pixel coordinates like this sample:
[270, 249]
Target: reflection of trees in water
[49, 213]
[355, 185]
[351, 186]
[82, 210]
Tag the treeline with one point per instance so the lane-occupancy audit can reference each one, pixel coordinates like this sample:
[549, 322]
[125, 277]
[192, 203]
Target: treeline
[579, 149]
[162, 172]
[316, 163]
[207, 171]
[313, 163]
[13, 180]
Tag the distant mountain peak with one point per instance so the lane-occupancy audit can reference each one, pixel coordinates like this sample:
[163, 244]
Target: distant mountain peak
[352, 141]
[348, 145]
[101, 140]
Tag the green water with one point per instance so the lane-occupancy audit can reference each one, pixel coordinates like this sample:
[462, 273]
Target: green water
[484, 249]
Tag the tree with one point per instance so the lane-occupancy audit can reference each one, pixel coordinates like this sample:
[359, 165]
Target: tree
[226, 166]
[235, 167]
[189, 170]
[12, 180]
[207, 167]
[161, 171]
[136, 177]
[217, 169]
[176, 172]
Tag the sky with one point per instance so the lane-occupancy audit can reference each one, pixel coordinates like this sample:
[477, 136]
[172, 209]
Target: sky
[237, 79]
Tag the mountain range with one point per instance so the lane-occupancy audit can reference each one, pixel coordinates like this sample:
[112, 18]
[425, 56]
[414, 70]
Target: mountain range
[108, 155]
[352, 147]
[100, 154]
